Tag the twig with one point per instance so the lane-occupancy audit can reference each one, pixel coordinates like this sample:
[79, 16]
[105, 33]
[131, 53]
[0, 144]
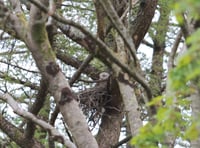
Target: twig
[80, 69]
[147, 43]
[125, 140]
[67, 131]
[19, 67]
[13, 52]
[26, 83]
[69, 60]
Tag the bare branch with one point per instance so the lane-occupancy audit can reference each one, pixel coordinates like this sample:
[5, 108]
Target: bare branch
[73, 33]
[21, 68]
[13, 52]
[90, 70]
[173, 50]
[11, 131]
[185, 27]
[35, 108]
[125, 140]
[147, 43]
[18, 110]
[54, 115]
[18, 81]
[80, 69]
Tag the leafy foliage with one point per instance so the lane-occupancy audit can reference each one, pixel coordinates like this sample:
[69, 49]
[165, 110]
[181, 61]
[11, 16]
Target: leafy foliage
[168, 122]
[191, 7]
[173, 118]
[188, 66]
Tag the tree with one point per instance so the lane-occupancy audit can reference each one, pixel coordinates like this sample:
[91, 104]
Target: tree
[177, 119]
[82, 88]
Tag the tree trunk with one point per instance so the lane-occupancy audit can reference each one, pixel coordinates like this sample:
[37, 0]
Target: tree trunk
[195, 104]
[131, 107]
[109, 131]
[38, 43]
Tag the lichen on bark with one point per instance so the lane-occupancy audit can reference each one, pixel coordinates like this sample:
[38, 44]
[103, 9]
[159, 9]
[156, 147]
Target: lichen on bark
[40, 37]
[39, 33]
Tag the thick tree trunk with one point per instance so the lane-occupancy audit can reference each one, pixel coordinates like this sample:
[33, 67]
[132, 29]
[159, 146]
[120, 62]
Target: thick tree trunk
[111, 121]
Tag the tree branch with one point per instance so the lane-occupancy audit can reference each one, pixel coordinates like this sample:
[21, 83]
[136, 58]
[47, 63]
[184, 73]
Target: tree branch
[35, 108]
[18, 81]
[12, 131]
[91, 71]
[173, 50]
[148, 43]
[125, 140]
[140, 26]
[185, 27]
[80, 69]
[19, 67]
[113, 16]
[18, 110]
[74, 34]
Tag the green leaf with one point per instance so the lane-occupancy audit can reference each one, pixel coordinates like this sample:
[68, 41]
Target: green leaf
[156, 101]
[192, 132]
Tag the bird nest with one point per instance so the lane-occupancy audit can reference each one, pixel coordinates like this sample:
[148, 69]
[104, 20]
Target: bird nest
[92, 101]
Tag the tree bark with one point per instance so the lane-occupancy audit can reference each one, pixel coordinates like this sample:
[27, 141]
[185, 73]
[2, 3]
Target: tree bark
[140, 25]
[38, 43]
[111, 121]
[195, 104]
[131, 107]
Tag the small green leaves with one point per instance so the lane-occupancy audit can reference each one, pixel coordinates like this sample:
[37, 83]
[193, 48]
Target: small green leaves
[156, 101]
[192, 132]
[188, 65]
[191, 6]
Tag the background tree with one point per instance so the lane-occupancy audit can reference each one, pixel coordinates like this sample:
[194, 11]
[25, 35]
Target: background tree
[177, 119]
[62, 61]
